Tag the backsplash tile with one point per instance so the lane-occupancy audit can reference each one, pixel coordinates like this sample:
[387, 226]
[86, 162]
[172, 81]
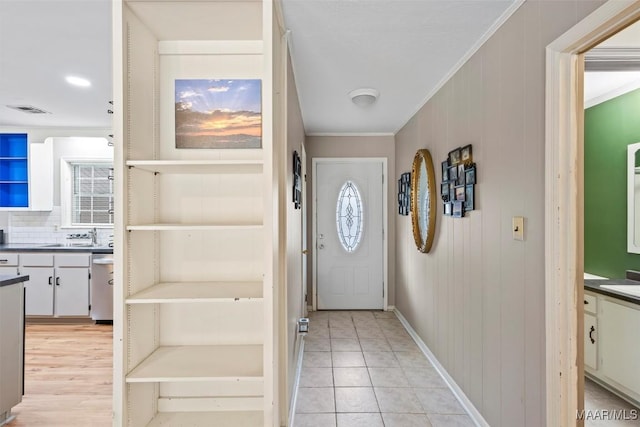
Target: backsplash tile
[44, 227]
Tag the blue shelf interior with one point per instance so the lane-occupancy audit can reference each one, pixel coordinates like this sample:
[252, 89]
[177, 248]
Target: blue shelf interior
[14, 172]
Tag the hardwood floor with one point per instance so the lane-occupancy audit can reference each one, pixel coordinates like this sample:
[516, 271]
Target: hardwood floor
[68, 376]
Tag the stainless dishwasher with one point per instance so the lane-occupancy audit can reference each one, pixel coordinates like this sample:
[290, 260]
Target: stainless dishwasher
[102, 288]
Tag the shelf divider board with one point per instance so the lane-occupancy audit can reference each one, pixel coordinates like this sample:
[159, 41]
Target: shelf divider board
[198, 166]
[192, 227]
[201, 363]
[187, 292]
[208, 419]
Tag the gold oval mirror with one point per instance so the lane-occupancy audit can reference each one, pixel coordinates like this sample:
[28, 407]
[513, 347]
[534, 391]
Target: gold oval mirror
[423, 200]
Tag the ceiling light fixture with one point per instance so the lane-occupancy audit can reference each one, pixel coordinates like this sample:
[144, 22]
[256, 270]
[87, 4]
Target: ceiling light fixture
[78, 81]
[364, 97]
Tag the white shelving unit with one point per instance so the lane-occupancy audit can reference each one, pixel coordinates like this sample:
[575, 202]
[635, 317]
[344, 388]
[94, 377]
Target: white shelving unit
[194, 254]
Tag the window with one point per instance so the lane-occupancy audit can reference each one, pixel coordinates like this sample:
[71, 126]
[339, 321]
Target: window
[349, 216]
[92, 194]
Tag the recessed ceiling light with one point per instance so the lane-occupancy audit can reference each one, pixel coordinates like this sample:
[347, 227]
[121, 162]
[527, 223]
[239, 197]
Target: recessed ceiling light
[364, 97]
[78, 81]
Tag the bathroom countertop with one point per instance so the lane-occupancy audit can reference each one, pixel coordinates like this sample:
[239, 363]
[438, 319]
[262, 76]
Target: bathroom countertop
[46, 247]
[596, 286]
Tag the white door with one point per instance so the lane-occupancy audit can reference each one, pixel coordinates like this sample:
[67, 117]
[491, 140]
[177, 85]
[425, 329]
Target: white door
[349, 235]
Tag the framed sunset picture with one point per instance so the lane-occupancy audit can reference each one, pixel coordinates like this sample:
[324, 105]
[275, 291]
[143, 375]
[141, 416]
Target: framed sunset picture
[218, 113]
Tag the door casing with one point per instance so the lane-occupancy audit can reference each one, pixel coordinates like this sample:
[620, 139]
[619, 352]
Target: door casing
[564, 210]
[385, 221]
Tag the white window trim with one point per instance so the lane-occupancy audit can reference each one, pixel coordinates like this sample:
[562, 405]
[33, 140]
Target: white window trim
[66, 185]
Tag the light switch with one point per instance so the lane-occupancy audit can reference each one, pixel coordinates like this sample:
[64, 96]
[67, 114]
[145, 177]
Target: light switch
[518, 228]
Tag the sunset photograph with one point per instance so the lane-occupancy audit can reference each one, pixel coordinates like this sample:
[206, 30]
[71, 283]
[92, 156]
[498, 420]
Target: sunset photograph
[218, 113]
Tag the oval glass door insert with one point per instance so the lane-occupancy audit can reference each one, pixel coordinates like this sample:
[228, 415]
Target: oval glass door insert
[349, 216]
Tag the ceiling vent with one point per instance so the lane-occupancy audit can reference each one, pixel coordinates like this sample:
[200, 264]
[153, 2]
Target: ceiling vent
[28, 109]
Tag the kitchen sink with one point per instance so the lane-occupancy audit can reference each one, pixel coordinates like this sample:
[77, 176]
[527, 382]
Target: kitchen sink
[69, 245]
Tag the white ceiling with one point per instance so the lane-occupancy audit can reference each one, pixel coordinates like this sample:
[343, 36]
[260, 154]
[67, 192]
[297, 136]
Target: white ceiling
[600, 86]
[403, 48]
[41, 42]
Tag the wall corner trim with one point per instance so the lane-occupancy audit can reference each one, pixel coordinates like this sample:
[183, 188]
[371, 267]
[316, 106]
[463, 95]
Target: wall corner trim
[474, 48]
[474, 414]
[296, 383]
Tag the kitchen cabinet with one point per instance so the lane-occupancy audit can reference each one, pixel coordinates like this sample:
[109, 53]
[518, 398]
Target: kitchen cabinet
[11, 345]
[8, 263]
[26, 173]
[194, 331]
[58, 284]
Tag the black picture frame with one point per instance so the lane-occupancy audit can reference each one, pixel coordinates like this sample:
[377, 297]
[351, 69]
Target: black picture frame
[453, 173]
[470, 175]
[459, 193]
[444, 191]
[466, 154]
[297, 181]
[404, 194]
[448, 208]
[454, 157]
[469, 198]
[460, 180]
[445, 171]
[458, 209]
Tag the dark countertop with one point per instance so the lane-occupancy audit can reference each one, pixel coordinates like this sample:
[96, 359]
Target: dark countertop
[594, 286]
[44, 247]
[8, 279]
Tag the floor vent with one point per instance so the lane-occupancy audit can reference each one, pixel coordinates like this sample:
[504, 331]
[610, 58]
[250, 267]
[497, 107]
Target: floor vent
[28, 109]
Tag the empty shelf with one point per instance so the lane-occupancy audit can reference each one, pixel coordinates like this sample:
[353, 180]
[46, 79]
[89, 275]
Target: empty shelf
[192, 227]
[183, 292]
[197, 166]
[208, 419]
[201, 363]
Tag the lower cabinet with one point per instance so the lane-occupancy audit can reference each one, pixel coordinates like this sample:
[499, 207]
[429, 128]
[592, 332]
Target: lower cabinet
[8, 263]
[58, 284]
[611, 345]
[620, 325]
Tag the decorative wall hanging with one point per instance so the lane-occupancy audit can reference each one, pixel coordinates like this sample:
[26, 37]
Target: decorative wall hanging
[218, 113]
[423, 200]
[458, 182]
[297, 180]
[404, 193]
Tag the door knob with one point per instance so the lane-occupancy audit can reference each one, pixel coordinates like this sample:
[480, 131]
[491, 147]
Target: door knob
[305, 251]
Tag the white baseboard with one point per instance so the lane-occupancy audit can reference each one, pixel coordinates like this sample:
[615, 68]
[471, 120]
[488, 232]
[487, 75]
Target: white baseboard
[475, 415]
[309, 308]
[296, 383]
[391, 308]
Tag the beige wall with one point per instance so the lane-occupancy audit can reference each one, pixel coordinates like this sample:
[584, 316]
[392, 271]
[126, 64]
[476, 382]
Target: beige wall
[355, 146]
[295, 139]
[477, 299]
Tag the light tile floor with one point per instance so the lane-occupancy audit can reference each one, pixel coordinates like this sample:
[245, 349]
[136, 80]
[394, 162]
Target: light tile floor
[362, 369]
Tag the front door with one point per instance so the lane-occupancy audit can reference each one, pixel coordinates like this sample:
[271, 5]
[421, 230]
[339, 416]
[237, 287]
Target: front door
[349, 235]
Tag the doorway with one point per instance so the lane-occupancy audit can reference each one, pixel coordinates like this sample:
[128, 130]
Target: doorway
[564, 197]
[349, 234]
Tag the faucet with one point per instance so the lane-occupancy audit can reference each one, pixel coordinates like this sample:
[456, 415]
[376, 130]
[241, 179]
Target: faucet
[94, 236]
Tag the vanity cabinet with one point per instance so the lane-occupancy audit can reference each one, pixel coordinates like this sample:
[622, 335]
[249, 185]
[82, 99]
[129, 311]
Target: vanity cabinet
[611, 345]
[58, 285]
[620, 346]
[590, 331]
